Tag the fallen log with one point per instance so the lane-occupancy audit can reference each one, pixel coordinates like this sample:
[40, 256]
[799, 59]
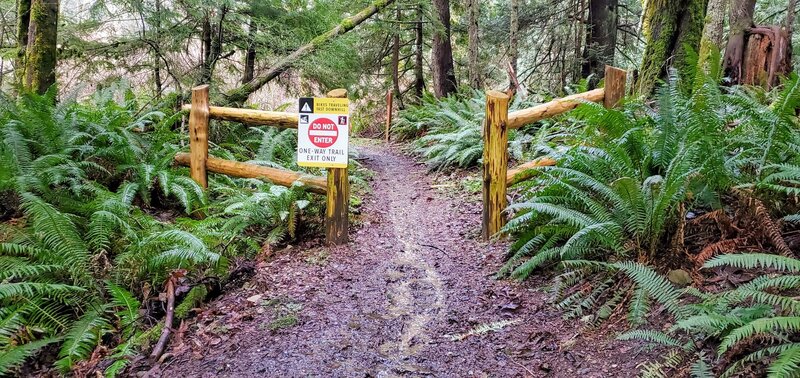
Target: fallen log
[276, 176]
[251, 116]
[525, 171]
[553, 108]
[240, 94]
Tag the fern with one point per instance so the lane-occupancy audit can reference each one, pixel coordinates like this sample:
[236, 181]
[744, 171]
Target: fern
[82, 338]
[12, 358]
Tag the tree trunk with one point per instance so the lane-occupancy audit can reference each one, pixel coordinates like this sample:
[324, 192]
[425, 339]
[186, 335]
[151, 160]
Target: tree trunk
[250, 55]
[419, 78]
[669, 28]
[23, 21]
[767, 57]
[741, 20]
[444, 76]
[40, 48]
[473, 10]
[601, 39]
[205, 64]
[790, 17]
[396, 62]
[212, 44]
[711, 42]
[513, 33]
[240, 94]
[156, 55]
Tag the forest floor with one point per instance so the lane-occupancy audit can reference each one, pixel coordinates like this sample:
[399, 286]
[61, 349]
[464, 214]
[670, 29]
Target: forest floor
[413, 294]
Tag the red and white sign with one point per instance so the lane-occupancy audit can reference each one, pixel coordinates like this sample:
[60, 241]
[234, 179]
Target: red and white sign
[323, 132]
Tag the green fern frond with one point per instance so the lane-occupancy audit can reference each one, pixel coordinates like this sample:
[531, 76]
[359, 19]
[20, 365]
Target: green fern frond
[11, 358]
[82, 337]
[759, 326]
[756, 260]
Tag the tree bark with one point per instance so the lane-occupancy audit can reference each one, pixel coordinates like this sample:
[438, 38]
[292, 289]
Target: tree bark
[40, 48]
[396, 62]
[240, 94]
[250, 55]
[212, 44]
[156, 54]
[473, 10]
[711, 41]
[419, 78]
[601, 39]
[513, 33]
[669, 28]
[23, 21]
[741, 20]
[444, 76]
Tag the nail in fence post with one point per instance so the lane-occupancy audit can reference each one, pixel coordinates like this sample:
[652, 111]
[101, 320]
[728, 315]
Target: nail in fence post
[495, 162]
[338, 198]
[198, 135]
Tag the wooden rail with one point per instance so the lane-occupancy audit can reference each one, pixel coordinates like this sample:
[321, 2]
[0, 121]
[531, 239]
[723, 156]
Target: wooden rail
[276, 176]
[251, 116]
[496, 175]
[335, 186]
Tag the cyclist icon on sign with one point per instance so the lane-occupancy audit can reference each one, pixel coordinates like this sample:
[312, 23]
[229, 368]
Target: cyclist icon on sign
[342, 120]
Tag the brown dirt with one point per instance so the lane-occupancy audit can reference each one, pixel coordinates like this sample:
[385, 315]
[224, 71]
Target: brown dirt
[393, 303]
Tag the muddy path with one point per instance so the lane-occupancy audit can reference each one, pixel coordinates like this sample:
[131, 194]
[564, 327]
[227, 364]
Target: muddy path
[399, 300]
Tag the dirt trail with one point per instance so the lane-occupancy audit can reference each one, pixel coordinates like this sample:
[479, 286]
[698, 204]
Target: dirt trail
[397, 301]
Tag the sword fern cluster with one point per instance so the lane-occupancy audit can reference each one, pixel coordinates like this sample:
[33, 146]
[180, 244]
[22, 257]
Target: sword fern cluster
[94, 193]
[612, 213]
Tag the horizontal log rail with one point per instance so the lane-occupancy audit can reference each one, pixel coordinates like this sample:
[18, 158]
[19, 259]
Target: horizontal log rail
[553, 108]
[276, 176]
[335, 186]
[496, 175]
[524, 172]
[251, 116]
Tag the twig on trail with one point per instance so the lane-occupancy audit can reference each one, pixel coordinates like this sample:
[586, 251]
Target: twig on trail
[520, 365]
[162, 341]
[436, 248]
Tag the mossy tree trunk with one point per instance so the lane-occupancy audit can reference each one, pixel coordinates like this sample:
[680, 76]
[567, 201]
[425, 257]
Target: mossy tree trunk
[444, 73]
[669, 28]
[23, 21]
[39, 48]
[711, 42]
[601, 39]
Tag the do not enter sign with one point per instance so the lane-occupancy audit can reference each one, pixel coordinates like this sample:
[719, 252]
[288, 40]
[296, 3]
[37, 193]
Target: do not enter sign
[323, 132]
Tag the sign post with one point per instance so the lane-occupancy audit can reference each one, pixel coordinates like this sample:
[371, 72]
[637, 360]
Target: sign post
[323, 137]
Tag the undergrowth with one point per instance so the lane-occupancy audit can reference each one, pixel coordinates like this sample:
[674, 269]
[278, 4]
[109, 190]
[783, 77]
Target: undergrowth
[652, 197]
[97, 217]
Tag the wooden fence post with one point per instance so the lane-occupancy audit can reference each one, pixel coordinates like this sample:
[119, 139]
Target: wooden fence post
[616, 79]
[338, 198]
[495, 162]
[389, 100]
[198, 135]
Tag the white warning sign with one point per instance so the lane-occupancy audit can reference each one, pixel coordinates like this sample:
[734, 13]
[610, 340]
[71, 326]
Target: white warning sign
[323, 132]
